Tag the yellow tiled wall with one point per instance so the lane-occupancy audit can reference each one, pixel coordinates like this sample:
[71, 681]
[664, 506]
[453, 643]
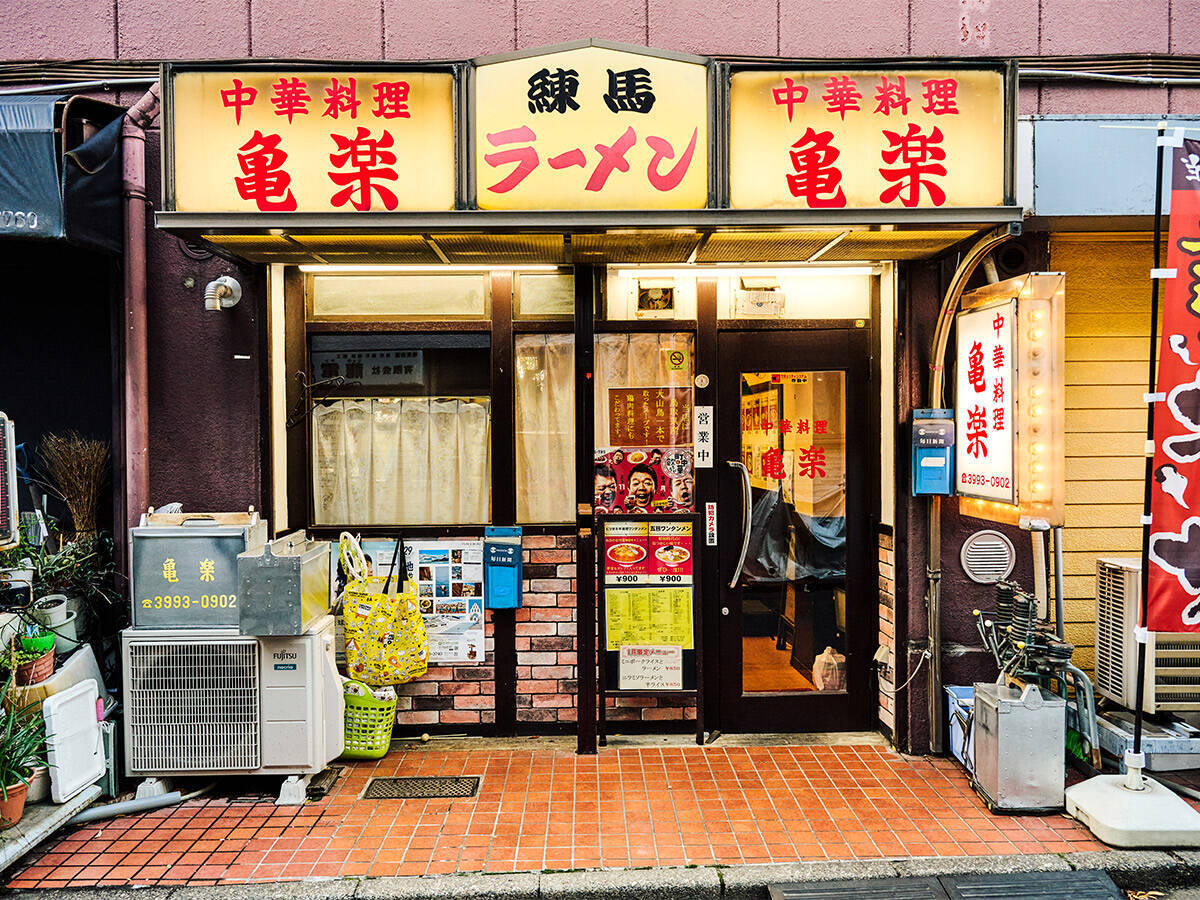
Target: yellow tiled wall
[1108, 310]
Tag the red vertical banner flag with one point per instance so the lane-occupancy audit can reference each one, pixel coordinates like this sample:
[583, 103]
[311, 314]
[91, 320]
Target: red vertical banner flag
[1174, 596]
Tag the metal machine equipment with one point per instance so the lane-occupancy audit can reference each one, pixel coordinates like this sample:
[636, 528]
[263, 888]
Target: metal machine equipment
[225, 675]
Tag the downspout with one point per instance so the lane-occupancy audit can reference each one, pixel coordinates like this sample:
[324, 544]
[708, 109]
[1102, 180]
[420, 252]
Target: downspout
[135, 343]
[937, 392]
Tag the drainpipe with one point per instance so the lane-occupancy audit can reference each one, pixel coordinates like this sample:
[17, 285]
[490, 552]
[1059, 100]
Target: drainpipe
[137, 415]
[937, 384]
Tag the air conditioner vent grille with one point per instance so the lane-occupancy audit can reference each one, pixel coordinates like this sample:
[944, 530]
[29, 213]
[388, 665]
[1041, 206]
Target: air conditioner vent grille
[193, 706]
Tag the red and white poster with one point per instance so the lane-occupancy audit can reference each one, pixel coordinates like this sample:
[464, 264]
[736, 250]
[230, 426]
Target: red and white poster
[1174, 598]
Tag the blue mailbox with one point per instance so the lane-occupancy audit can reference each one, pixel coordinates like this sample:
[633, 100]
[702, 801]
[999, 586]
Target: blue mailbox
[502, 567]
[932, 452]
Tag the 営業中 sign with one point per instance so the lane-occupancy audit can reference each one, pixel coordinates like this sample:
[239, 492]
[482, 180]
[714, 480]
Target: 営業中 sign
[983, 401]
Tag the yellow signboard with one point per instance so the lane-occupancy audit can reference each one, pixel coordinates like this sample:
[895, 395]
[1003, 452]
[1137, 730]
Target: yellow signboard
[648, 615]
[305, 141]
[591, 128]
[863, 139]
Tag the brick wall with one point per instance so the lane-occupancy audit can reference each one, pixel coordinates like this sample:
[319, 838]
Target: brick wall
[887, 631]
[546, 676]
[453, 695]
[547, 680]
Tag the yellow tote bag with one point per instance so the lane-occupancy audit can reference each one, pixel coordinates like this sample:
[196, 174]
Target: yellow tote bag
[386, 641]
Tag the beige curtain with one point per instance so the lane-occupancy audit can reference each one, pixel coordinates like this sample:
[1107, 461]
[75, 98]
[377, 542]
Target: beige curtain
[357, 448]
[414, 460]
[385, 460]
[329, 464]
[545, 427]
[474, 458]
[612, 371]
[443, 461]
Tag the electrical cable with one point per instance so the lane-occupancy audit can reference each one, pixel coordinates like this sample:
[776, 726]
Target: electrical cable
[925, 654]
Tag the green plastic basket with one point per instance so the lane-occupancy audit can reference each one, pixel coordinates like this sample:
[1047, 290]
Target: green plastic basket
[368, 726]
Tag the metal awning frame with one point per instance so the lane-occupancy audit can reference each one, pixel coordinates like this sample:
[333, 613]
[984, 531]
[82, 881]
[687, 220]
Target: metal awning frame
[199, 225]
[692, 229]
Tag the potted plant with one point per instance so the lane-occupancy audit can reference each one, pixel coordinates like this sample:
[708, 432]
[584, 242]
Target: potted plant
[22, 750]
[33, 665]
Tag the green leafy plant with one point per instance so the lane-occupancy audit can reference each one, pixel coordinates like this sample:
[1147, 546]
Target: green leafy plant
[84, 567]
[22, 741]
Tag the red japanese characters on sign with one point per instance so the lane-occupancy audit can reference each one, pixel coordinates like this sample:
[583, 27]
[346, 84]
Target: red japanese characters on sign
[983, 405]
[591, 128]
[855, 139]
[312, 141]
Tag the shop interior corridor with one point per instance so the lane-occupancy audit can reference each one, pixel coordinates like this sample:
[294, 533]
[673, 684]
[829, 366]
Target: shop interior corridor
[638, 803]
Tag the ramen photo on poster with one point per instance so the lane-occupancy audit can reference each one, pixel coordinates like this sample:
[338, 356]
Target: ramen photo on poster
[644, 480]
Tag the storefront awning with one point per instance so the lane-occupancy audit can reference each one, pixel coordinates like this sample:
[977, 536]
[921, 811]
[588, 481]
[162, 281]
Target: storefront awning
[659, 237]
[60, 170]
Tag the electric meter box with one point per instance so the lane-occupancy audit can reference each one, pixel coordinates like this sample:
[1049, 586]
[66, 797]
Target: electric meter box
[932, 452]
[184, 567]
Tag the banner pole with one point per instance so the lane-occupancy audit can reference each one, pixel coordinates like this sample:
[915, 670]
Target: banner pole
[1145, 592]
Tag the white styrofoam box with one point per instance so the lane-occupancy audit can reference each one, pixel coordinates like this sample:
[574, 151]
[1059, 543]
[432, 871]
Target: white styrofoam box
[74, 745]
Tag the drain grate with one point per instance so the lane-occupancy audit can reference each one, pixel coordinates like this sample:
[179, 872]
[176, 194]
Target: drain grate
[427, 787]
[1080, 885]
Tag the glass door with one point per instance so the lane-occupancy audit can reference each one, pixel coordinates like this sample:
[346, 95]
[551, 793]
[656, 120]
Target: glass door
[797, 617]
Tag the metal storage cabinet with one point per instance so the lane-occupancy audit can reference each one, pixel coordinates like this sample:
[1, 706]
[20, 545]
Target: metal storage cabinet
[1020, 740]
[284, 586]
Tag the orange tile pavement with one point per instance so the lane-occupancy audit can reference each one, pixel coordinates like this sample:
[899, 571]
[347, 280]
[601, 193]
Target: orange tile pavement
[550, 809]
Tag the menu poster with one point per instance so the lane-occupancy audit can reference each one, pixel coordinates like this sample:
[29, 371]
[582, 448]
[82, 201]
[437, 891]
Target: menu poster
[670, 557]
[648, 615]
[651, 668]
[627, 551]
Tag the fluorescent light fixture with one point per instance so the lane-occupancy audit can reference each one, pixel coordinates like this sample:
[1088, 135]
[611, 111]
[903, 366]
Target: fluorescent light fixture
[740, 271]
[368, 268]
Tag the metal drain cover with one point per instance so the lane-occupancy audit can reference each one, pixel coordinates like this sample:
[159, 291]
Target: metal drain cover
[1079, 885]
[425, 787]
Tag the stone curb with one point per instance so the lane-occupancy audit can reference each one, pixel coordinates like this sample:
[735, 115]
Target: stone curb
[684, 883]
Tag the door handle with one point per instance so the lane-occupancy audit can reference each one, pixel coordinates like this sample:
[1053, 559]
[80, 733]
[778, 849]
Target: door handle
[737, 572]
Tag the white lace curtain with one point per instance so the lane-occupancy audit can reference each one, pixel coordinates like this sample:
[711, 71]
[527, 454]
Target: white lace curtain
[402, 461]
[545, 427]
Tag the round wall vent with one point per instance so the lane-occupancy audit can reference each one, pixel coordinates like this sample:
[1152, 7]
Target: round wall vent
[987, 556]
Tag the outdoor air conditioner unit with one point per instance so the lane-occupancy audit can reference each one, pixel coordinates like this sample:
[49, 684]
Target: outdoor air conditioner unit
[1172, 660]
[208, 701]
[10, 521]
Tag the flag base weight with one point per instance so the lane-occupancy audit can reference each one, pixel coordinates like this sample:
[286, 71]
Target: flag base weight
[1133, 811]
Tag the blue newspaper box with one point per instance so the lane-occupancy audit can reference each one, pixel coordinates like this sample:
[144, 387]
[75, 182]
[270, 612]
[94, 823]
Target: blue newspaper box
[502, 568]
[932, 452]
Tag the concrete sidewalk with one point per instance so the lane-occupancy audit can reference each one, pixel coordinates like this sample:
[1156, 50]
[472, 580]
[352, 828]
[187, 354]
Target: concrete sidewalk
[1180, 868]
